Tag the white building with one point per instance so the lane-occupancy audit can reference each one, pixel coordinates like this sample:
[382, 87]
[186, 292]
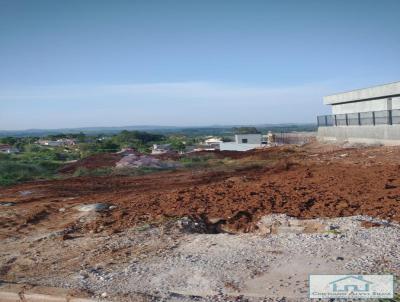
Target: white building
[369, 115]
[212, 141]
[243, 142]
[57, 143]
[161, 149]
[254, 139]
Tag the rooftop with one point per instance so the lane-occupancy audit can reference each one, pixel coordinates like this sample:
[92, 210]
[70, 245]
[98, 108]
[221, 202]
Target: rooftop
[381, 91]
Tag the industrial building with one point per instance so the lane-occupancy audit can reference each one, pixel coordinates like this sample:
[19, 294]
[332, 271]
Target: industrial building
[369, 115]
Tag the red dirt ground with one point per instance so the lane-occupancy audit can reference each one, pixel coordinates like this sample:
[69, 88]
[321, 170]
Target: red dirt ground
[306, 182]
[92, 162]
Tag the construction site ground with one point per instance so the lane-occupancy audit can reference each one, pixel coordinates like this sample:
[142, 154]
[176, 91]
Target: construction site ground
[248, 226]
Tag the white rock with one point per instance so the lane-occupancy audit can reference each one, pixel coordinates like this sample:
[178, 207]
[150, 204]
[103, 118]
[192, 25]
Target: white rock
[96, 207]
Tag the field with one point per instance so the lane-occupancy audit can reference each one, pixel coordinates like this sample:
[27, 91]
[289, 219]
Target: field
[233, 226]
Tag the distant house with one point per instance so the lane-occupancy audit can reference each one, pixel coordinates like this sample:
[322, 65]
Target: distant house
[8, 149]
[68, 142]
[161, 148]
[243, 142]
[57, 143]
[350, 284]
[211, 143]
[213, 140]
[204, 147]
[45, 142]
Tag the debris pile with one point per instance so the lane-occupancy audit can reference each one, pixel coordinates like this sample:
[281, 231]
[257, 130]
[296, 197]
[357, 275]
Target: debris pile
[137, 161]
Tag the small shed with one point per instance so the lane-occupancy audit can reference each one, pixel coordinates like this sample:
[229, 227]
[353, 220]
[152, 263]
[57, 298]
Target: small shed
[255, 138]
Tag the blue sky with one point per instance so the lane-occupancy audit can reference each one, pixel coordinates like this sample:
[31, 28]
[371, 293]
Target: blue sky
[188, 63]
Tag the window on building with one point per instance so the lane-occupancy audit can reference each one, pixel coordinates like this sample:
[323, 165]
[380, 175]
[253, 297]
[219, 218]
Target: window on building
[244, 140]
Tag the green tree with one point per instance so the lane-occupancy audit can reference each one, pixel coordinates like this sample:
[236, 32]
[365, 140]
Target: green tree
[81, 137]
[245, 130]
[9, 140]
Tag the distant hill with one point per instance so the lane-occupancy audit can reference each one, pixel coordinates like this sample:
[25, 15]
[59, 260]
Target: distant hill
[86, 130]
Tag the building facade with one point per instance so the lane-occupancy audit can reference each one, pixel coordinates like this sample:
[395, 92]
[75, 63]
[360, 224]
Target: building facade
[369, 115]
[243, 142]
[248, 138]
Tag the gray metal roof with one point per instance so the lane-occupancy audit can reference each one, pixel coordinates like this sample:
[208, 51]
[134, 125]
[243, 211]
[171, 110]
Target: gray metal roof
[374, 92]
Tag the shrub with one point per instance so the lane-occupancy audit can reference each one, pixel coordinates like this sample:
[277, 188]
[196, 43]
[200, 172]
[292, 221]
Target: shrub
[138, 171]
[195, 162]
[93, 172]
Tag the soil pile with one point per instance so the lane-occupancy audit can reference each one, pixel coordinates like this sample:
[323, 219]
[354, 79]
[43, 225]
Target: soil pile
[96, 161]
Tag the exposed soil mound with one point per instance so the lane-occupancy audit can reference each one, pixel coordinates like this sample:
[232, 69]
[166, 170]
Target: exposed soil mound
[92, 162]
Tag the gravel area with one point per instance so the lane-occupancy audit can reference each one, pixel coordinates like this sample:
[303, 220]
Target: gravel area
[167, 263]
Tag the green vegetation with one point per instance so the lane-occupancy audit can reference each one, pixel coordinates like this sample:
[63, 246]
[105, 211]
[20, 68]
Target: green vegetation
[93, 172]
[33, 161]
[138, 171]
[15, 169]
[40, 161]
[245, 130]
[196, 162]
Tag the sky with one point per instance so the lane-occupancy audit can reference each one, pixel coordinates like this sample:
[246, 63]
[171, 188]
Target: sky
[82, 63]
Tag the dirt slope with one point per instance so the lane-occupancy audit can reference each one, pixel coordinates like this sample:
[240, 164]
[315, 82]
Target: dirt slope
[93, 162]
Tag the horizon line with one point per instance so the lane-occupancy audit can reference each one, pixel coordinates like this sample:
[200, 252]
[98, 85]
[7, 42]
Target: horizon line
[158, 126]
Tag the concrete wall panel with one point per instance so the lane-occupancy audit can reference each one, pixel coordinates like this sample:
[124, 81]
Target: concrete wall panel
[396, 102]
[380, 134]
[251, 138]
[364, 106]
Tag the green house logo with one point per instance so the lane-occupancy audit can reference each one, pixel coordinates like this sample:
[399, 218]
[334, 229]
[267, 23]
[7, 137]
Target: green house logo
[350, 284]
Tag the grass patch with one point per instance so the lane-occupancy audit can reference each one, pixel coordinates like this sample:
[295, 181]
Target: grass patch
[13, 171]
[195, 162]
[138, 171]
[93, 172]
